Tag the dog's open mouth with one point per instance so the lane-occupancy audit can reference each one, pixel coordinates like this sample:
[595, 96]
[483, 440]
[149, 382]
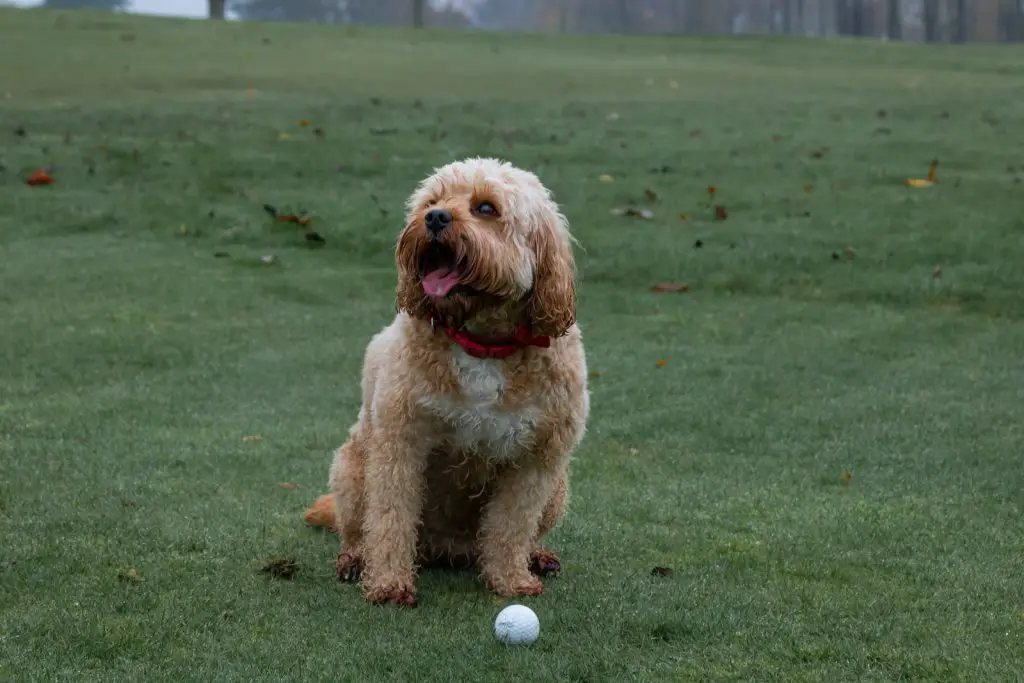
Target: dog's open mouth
[439, 272]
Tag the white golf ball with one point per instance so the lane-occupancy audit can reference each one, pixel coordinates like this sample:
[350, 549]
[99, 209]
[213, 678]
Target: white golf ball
[517, 625]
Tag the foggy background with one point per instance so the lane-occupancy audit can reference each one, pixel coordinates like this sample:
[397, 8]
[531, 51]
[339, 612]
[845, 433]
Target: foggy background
[946, 21]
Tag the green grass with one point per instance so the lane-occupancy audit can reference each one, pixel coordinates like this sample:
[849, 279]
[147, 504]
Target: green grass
[135, 363]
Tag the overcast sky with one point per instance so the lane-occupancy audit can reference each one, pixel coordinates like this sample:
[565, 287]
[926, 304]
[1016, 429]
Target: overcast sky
[198, 8]
[173, 8]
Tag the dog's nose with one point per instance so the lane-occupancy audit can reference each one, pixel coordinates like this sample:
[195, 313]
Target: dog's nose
[437, 220]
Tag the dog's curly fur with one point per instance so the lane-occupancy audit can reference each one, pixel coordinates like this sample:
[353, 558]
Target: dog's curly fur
[454, 458]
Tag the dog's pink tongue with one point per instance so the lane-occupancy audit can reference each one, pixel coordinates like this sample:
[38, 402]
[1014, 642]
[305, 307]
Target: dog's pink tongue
[439, 282]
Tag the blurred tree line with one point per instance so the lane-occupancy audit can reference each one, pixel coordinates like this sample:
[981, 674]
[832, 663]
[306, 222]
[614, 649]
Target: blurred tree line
[914, 20]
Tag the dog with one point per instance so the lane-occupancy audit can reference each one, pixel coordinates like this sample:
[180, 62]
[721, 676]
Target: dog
[474, 398]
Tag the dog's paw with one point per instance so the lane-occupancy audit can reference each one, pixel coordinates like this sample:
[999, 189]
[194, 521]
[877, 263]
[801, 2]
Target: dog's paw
[349, 567]
[399, 596]
[511, 588]
[544, 562]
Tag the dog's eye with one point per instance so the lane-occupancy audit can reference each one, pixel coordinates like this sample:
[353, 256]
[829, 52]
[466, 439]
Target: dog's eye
[486, 209]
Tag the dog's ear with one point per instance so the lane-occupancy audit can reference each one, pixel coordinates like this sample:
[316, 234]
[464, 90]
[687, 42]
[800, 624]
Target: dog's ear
[552, 305]
[409, 296]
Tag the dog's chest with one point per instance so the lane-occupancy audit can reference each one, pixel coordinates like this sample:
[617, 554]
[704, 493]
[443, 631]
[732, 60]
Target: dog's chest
[479, 416]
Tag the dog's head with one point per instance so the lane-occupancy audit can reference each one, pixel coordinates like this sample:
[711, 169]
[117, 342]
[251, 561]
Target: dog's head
[482, 234]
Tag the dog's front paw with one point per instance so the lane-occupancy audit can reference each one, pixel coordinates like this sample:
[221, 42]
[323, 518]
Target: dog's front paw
[544, 562]
[399, 596]
[512, 587]
[349, 567]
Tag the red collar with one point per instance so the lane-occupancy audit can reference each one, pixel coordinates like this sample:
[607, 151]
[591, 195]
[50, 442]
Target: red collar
[490, 347]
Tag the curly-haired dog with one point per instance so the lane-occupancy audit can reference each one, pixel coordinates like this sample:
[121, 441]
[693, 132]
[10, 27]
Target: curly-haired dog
[474, 397]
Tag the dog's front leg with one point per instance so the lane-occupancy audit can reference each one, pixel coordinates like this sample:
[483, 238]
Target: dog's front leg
[395, 483]
[511, 519]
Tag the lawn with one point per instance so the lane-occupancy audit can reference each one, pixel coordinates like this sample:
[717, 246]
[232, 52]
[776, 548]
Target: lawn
[822, 437]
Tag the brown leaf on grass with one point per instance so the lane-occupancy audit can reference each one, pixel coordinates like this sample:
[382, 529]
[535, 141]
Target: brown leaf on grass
[670, 287]
[684, 216]
[818, 153]
[721, 213]
[937, 273]
[808, 188]
[712, 190]
[40, 177]
[594, 374]
[304, 123]
[847, 476]
[776, 137]
[661, 363]
[288, 486]
[663, 572]
[281, 568]
[650, 194]
[696, 133]
[128, 575]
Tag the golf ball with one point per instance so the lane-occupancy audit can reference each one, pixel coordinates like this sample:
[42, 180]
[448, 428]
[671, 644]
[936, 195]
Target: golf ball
[517, 625]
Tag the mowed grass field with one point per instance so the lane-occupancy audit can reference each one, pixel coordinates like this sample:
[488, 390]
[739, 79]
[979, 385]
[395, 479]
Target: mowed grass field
[822, 437]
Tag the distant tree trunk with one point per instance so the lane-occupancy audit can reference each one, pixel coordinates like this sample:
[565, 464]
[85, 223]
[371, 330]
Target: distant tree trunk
[931, 20]
[963, 21]
[842, 10]
[216, 9]
[417, 13]
[895, 29]
[857, 26]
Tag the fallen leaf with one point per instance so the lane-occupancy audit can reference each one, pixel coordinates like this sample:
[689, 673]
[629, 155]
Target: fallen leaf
[252, 437]
[288, 486]
[670, 287]
[40, 177]
[304, 123]
[818, 153]
[776, 138]
[629, 211]
[721, 213]
[684, 216]
[808, 188]
[650, 194]
[594, 374]
[281, 568]
[847, 476]
[128, 575]
[696, 133]
[663, 572]
[661, 363]
[605, 178]
[918, 182]
[712, 190]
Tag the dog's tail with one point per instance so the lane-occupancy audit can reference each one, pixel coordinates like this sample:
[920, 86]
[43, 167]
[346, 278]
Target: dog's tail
[321, 512]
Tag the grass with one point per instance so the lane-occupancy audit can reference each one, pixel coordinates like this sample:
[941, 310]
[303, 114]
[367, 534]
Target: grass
[153, 397]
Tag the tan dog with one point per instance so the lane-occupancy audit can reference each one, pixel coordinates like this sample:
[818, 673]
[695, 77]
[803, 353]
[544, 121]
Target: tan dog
[474, 397]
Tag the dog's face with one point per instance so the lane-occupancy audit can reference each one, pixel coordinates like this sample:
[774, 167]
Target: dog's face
[482, 234]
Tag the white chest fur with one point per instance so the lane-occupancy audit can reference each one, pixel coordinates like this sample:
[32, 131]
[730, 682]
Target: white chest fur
[476, 415]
